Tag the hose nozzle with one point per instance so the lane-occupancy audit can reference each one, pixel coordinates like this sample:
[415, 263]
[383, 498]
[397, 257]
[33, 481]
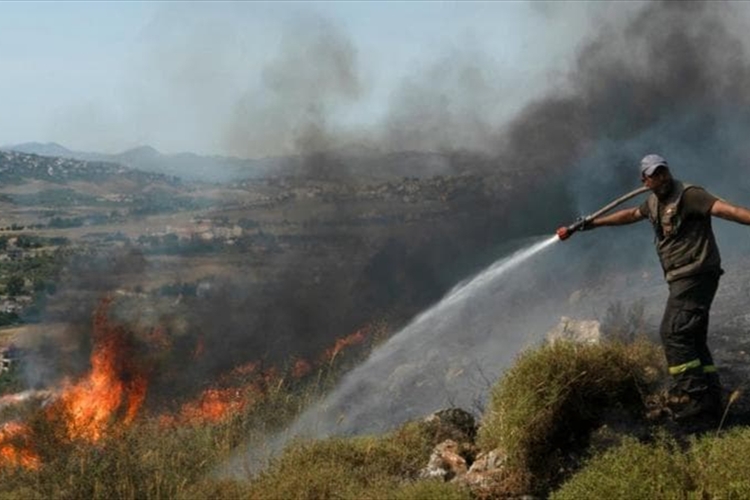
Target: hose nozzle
[566, 232]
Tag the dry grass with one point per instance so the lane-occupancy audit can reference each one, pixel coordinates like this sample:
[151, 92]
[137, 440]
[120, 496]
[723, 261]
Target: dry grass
[545, 406]
[355, 468]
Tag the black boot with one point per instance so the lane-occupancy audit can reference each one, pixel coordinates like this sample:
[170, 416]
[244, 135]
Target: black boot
[704, 405]
[714, 383]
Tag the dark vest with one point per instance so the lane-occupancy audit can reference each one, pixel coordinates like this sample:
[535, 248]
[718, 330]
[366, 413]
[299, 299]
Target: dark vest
[685, 244]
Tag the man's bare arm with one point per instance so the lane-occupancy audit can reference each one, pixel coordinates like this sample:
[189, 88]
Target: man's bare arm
[730, 212]
[619, 218]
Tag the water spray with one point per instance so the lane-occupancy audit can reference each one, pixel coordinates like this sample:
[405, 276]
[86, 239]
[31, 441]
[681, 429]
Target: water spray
[566, 232]
[363, 402]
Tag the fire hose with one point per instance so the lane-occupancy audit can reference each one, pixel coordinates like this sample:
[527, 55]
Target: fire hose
[566, 231]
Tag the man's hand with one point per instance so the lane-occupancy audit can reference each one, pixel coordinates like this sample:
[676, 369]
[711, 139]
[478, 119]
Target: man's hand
[586, 223]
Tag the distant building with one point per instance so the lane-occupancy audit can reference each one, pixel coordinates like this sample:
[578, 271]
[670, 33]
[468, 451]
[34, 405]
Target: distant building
[9, 356]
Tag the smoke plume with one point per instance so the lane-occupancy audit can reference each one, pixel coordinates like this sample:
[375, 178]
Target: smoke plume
[667, 78]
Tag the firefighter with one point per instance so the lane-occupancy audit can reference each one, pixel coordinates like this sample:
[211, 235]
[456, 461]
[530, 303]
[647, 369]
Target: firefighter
[680, 214]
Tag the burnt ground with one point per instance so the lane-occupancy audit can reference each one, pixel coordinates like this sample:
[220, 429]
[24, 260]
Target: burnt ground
[729, 337]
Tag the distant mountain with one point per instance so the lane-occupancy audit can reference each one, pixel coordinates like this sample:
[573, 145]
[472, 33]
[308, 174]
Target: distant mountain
[187, 166]
[354, 162]
[42, 149]
[17, 168]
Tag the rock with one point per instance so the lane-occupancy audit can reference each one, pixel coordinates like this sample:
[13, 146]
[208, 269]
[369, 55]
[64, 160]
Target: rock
[486, 475]
[453, 423]
[445, 462]
[583, 331]
[494, 459]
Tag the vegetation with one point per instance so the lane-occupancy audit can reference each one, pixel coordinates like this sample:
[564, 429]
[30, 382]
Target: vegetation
[29, 273]
[9, 318]
[162, 457]
[547, 404]
[10, 381]
[632, 470]
[57, 198]
[543, 413]
[711, 467]
[162, 201]
[153, 458]
[355, 468]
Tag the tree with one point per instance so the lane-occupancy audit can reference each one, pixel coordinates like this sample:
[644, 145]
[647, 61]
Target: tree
[15, 285]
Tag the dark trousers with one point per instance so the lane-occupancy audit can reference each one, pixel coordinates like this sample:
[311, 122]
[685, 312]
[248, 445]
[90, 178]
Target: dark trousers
[684, 332]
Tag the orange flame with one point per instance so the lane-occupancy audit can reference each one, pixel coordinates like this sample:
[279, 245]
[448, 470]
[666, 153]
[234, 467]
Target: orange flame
[236, 392]
[301, 368]
[214, 405]
[200, 348]
[15, 447]
[355, 338]
[244, 370]
[112, 387]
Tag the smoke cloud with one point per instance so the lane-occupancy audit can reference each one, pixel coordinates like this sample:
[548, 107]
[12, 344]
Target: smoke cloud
[663, 77]
[314, 74]
[671, 80]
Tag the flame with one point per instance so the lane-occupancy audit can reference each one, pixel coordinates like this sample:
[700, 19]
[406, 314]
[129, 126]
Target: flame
[242, 371]
[112, 388]
[200, 348]
[214, 405]
[355, 338]
[15, 447]
[235, 392]
[301, 368]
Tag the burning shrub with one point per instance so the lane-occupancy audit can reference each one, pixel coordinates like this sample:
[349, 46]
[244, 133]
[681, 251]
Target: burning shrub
[553, 397]
[96, 435]
[16, 448]
[114, 389]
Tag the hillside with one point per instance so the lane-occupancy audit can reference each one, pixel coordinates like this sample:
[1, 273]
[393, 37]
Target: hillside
[311, 260]
[234, 307]
[362, 163]
[16, 168]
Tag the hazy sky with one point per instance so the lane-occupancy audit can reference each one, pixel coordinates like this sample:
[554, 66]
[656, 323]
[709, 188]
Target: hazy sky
[244, 77]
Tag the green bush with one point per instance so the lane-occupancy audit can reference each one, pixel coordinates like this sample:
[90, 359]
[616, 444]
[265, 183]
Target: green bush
[633, 470]
[553, 396]
[721, 466]
[712, 467]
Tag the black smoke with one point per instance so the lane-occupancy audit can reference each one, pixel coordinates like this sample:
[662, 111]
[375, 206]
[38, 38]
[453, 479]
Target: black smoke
[670, 78]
